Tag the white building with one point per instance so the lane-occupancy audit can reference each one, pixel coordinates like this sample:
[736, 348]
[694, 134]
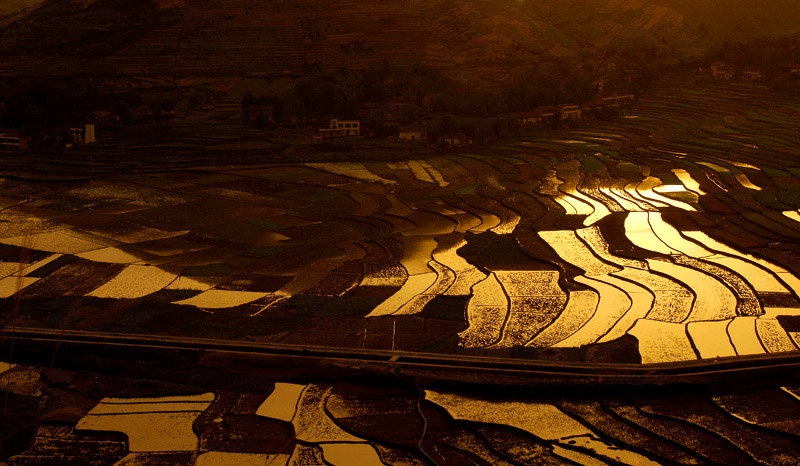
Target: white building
[336, 130]
[412, 133]
[89, 136]
[12, 140]
[350, 127]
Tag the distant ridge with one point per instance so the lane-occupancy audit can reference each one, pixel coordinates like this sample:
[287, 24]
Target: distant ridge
[292, 37]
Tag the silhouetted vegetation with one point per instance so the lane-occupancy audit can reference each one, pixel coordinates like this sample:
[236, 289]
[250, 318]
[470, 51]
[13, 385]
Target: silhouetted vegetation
[34, 107]
[771, 56]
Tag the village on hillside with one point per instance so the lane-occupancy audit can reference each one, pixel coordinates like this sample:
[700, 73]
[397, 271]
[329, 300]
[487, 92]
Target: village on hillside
[418, 106]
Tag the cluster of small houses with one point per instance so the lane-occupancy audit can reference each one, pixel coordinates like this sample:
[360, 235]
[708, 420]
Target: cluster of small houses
[12, 140]
[721, 70]
[339, 128]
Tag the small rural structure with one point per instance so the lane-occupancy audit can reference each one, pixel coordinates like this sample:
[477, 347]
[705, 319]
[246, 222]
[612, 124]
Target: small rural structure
[548, 112]
[528, 118]
[12, 140]
[722, 71]
[412, 133]
[752, 75]
[456, 139]
[89, 136]
[349, 127]
[569, 112]
[336, 130]
[85, 135]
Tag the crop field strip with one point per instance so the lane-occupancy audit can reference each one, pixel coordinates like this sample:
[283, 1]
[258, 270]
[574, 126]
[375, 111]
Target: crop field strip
[299, 423]
[634, 242]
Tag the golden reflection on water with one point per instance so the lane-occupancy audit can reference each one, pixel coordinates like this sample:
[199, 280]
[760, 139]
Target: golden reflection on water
[651, 298]
[151, 424]
[743, 333]
[662, 341]
[612, 305]
[687, 180]
[717, 168]
[670, 188]
[744, 181]
[639, 232]
[792, 214]
[570, 248]
[711, 338]
[282, 402]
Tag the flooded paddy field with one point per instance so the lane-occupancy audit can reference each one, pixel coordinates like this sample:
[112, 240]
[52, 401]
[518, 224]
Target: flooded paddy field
[226, 413]
[655, 239]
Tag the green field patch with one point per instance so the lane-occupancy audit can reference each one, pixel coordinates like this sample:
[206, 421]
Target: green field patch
[768, 199]
[607, 155]
[668, 178]
[628, 167]
[468, 189]
[684, 196]
[789, 195]
[592, 164]
[759, 117]
[774, 172]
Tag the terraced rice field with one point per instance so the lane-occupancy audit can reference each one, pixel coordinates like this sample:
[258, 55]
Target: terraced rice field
[388, 422]
[658, 238]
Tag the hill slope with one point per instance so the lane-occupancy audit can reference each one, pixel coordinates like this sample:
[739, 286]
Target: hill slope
[260, 37]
